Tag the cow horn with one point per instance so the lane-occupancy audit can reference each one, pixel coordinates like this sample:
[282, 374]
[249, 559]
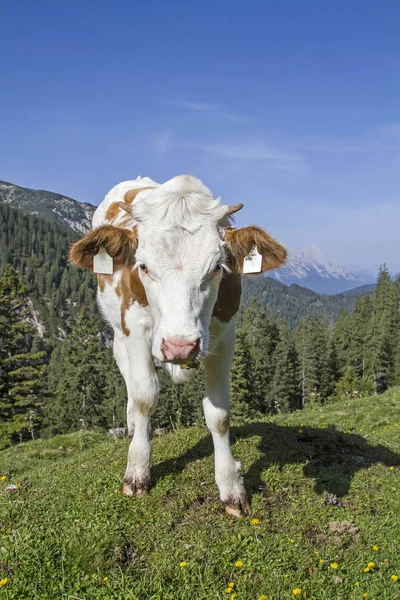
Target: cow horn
[233, 209]
[126, 207]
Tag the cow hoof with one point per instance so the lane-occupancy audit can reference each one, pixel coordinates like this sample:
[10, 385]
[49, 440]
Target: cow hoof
[131, 487]
[127, 490]
[233, 510]
[238, 509]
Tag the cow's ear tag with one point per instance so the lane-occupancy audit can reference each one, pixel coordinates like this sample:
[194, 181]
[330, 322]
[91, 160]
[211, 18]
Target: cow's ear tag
[253, 261]
[103, 262]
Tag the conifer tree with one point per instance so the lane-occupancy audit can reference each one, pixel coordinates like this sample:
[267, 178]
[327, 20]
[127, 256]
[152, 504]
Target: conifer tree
[21, 369]
[285, 389]
[383, 343]
[241, 379]
[77, 380]
[262, 335]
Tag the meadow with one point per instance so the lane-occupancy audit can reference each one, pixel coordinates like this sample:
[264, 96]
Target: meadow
[325, 523]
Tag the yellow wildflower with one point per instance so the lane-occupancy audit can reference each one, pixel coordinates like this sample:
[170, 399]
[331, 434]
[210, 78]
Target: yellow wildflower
[371, 564]
[231, 584]
[254, 521]
[3, 478]
[316, 553]
[366, 569]
[183, 563]
[228, 590]
[286, 576]
[365, 595]
[296, 591]
[238, 563]
[3, 582]
[233, 596]
[321, 561]
[376, 548]
[105, 578]
[394, 577]
[391, 468]
[263, 597]
[357, 583]
[396, 424]
[334, 565]
[291, 541]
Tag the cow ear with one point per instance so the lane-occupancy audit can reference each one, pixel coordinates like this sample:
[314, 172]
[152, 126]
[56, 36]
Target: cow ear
[241, 241]
[119, 243]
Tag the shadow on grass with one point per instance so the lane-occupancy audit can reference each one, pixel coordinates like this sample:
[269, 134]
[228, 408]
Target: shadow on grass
[330, 457]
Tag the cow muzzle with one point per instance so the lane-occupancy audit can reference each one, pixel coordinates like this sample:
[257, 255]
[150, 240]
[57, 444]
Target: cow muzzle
[179, 349]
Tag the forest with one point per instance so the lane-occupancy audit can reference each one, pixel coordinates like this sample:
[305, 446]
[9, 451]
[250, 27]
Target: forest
[58, 375]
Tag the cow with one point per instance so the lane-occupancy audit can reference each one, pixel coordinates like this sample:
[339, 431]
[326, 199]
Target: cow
[171, 295]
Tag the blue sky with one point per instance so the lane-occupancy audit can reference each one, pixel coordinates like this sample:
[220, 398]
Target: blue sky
[290, 107]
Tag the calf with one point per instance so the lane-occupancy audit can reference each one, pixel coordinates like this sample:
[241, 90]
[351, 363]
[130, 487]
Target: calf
[171, 296]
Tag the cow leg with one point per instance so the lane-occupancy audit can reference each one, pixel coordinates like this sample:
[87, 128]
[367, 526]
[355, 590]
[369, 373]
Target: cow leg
[142, 390]
[216, 412]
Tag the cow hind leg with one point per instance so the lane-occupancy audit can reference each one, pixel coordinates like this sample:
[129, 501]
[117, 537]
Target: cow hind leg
[216, 412]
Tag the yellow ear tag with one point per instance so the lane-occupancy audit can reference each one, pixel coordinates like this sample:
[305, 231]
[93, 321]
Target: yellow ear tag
[253, 261]
[103, 262]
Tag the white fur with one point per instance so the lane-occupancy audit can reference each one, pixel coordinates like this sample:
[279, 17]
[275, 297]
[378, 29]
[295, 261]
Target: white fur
[180, 243]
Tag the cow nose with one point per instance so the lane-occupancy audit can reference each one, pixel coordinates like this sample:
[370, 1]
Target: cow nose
[180, 348]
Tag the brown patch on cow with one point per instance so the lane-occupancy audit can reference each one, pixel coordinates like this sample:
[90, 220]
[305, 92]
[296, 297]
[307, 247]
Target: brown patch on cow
[223, 425]
[131, 194]
[143, 407]
[120, 244]
[241, 241]
[130, 289]
[102, 279]
[228, 300]
[112, 211]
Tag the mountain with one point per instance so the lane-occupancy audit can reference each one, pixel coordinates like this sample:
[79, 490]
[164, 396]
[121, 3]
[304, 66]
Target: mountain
[313, 270]
[48, 205]
[38, 249]
[293, 302]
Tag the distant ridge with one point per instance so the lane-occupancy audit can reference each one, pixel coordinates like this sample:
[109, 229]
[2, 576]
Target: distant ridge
[313, 270]
[48, 205]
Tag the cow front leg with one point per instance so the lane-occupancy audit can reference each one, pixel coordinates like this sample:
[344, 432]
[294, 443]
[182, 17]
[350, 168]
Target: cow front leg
[142, 397]
[216, 411]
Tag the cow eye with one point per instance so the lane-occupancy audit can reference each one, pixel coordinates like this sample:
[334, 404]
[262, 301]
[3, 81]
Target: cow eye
[143, 268]
[217, 268]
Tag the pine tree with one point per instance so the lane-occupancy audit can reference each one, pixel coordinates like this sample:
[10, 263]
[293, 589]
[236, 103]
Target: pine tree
[383, 343]
[21, 370]
[241, 379]
[312, 348]
[78, 380]
[262, 336]
[285, 390]
[341, 339]
[361, 327]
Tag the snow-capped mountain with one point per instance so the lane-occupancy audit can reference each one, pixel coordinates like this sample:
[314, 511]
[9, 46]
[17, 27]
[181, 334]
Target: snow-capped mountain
[312, 269]
[49, 205]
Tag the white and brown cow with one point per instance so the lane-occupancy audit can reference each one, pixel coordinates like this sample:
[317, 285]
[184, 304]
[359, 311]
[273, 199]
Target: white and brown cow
[172, 300]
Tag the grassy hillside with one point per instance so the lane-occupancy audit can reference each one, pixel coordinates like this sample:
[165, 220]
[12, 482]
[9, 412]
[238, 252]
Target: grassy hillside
[68, 532]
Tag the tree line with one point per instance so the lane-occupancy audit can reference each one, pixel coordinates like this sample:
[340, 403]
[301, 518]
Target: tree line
[74, 383]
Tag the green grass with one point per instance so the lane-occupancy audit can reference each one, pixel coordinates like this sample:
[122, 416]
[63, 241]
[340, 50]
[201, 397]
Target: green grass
[68, 527]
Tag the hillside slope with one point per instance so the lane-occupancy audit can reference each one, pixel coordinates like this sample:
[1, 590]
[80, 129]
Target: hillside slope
[292, 302]
[48, 205]
[68, 530]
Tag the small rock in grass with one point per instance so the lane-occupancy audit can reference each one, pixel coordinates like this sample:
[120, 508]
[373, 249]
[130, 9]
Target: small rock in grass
[353, 530]
[336, 540]
[340, 526]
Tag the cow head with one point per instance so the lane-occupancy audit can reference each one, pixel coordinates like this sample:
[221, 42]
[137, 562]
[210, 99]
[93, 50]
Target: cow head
[181, 246]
